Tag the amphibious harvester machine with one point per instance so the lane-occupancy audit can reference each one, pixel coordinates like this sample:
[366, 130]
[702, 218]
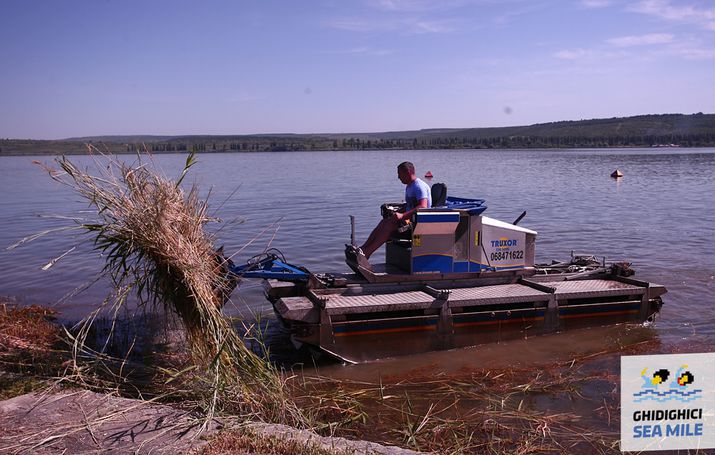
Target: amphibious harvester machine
[453, 278]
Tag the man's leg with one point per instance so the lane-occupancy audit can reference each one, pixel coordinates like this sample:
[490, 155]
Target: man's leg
[379, 236]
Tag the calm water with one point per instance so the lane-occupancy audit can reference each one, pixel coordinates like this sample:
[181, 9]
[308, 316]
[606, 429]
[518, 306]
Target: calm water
[660, 216]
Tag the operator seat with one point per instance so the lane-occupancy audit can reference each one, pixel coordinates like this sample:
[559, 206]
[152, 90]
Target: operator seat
[439, 194]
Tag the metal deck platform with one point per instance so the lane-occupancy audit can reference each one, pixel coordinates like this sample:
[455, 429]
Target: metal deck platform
[366, 320]
[373, 299]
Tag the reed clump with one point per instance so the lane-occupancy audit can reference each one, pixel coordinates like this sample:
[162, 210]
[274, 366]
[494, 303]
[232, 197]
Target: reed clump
[152, 234]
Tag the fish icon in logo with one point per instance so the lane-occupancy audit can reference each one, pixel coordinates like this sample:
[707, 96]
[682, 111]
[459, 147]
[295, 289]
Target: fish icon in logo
[654, 386]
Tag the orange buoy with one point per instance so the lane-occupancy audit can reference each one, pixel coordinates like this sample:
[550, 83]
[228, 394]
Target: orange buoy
[428, 175]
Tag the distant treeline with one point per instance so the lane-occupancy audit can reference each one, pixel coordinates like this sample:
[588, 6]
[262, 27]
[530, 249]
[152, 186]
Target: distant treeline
[696, 130]
[510, 142]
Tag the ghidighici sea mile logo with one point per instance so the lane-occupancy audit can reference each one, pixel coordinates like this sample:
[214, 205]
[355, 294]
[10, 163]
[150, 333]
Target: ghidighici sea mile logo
[667, 402]
[657, 388]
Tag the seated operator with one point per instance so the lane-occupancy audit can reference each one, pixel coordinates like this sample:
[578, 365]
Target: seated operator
[417, 196]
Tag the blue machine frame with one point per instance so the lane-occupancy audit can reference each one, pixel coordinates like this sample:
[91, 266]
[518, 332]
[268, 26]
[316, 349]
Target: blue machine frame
[271, 267]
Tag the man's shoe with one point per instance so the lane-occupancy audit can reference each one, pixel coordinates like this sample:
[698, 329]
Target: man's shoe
[356, 259]
[350, 251]
[362, 260]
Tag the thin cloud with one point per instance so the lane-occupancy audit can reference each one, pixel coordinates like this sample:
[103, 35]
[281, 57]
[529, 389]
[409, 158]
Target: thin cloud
[353, 25]
[692, 53]
[362, 51]
[641, 40]
[433, 26]
[592, 4]
[667, 48]
[690, 50]
[418, 16]
[416, 5]
[529, 8]
[405, 25]
[571, 54]
[680, 13]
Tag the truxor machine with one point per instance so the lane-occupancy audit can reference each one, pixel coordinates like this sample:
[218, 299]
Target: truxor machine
[453, 278]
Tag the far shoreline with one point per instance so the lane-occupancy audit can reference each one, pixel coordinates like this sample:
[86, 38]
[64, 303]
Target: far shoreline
[642, 131]
[111, 151]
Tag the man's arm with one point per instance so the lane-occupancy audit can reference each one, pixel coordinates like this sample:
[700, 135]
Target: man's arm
[399, 216]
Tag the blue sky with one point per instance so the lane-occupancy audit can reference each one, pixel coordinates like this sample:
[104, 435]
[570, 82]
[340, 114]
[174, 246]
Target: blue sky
[78, 68]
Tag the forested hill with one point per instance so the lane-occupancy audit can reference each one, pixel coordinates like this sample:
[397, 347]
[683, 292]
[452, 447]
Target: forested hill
[696, 130]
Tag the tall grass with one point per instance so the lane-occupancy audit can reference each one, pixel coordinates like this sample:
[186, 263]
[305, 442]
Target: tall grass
[151, 231]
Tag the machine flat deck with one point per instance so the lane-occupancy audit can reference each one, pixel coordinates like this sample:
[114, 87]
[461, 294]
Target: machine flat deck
[411, 300]
[495, 294]
[382, 300]
[594, 288]
[360, 321]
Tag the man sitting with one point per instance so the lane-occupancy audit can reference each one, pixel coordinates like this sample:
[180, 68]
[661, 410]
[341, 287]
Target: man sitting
[417, 196]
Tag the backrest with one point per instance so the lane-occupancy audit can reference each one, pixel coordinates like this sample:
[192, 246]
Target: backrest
[439, 194]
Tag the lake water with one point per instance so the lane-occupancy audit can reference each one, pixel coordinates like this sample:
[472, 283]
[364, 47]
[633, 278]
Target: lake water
[660, 216]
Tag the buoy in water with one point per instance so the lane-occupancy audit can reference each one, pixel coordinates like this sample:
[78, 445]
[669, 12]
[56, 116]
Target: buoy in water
[428, 175]
[617, 174]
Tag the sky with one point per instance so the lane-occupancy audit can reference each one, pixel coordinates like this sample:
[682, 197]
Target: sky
[168, 67]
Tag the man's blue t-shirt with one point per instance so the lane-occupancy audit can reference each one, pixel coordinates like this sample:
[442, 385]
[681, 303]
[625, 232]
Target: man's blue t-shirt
[414, 192]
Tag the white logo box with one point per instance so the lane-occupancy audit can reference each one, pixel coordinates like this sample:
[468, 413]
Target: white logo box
[667, 402]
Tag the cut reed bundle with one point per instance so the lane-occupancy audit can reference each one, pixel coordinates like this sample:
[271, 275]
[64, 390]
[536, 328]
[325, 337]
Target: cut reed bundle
[151, 233]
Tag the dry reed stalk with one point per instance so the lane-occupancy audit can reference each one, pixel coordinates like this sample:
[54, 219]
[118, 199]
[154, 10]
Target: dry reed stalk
[152, 235]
